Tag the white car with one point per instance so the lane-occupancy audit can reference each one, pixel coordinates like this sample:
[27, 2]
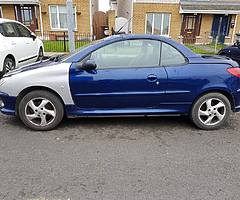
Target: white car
[19, 46]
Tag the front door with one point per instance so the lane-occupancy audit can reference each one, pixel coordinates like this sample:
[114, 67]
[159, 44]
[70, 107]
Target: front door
[26, 14]
[220, 27]
[190, 28]
[30, 44]
[128, 77]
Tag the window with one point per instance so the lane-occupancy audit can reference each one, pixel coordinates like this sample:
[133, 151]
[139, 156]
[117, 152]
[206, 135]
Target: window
[26, 14]
[8, 30]
[171, 56]
[58, 17]
[23, 31]
[1, 13]
[127, 54]
[158, 23]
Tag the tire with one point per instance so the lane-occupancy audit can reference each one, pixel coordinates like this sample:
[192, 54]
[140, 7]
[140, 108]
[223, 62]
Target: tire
[8, 65]
[40, 54]
[41, 110]
[211, 111]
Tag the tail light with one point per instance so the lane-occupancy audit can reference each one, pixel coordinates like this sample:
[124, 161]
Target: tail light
[235, 71]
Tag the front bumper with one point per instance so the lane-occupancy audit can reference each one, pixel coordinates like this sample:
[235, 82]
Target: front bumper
[7, 104]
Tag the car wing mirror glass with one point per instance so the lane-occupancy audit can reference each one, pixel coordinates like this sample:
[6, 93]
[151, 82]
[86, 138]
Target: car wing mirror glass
[87, 65]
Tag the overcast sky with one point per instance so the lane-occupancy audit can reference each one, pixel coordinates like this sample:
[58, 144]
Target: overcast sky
[104, 5]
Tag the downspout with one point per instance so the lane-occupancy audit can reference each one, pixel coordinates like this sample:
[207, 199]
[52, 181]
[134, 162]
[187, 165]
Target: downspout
[41, 22]
[235, 27]
[91, 24]
[131, 31]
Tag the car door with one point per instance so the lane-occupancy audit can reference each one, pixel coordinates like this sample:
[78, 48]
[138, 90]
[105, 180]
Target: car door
[30, 43]
[128, 76]
[183, 80]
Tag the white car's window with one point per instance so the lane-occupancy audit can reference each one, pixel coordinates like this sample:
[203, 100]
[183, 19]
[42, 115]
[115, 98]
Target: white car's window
[9, 30]
[171, 56]
[127, 54]
[1, 29]
[23, 31]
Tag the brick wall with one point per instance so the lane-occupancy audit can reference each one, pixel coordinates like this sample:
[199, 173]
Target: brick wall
[82, 9]
[111, 17]
[205, 29]
[141, 9]
[8, 11]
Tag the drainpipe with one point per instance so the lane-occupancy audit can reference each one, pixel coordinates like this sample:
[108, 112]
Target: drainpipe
[235, 27]
[41, 22]
[91, 19]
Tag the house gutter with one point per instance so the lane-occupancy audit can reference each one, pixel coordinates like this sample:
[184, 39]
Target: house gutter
[234, 30]
[41, 21]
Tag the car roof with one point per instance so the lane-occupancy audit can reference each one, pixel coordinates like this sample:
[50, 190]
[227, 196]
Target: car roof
[121, 37]
[3, 20]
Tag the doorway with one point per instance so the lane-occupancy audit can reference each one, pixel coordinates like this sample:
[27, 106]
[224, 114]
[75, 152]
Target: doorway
[26, 14]
[220, 27]
[190, 27]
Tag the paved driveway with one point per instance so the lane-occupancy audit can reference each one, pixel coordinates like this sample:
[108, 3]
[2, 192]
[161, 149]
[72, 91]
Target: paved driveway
[120, 158]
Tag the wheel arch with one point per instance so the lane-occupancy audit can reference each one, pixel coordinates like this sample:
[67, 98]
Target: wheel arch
[222, 91]
[33, 88]
[12, 57]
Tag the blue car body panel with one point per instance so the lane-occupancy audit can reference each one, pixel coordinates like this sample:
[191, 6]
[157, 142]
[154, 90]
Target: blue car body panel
[142, 91]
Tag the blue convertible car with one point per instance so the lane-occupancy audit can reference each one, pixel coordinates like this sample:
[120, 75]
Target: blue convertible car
[123, 75]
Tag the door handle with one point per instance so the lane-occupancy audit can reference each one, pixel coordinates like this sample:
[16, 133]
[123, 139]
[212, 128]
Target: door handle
[152, 78]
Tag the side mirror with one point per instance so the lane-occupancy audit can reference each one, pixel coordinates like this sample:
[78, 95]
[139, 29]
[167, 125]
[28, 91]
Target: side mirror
[33, 36]
[88, 65]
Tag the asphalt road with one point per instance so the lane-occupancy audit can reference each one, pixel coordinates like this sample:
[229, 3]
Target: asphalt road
[162, 158]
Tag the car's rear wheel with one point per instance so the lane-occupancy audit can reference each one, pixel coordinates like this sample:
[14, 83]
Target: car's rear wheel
[8, 65]
[211, 111]
[41, 110]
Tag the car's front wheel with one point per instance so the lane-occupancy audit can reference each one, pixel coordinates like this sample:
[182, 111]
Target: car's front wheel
[211, 111]
[40, 54]
[8, 65]
[41, 110]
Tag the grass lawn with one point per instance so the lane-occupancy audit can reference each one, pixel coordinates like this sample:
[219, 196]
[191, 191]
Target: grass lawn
[205, 49]
[196, 49]
[58, 46]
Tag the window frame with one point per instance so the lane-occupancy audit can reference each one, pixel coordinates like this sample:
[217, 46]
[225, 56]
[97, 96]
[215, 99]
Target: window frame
[177, 65]
[1, 12]
[88, 56]
[162, 20]
[58, 17]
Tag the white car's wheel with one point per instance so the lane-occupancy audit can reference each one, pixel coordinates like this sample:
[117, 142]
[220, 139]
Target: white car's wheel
[8, 65]
[211, 111]
[40, 54]
[41, 110]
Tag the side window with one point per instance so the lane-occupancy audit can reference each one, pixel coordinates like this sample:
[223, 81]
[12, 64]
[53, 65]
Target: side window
[171, 56]
[127, 54]
[1, 29]
[9, 30]
[23, 31]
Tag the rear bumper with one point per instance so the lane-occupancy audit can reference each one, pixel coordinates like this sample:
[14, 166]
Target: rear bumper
[236, 97]
[7, 104]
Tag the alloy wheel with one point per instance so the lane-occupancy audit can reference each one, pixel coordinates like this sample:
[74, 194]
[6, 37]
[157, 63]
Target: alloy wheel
[212, 111]
[40, 112]
[9, 66]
